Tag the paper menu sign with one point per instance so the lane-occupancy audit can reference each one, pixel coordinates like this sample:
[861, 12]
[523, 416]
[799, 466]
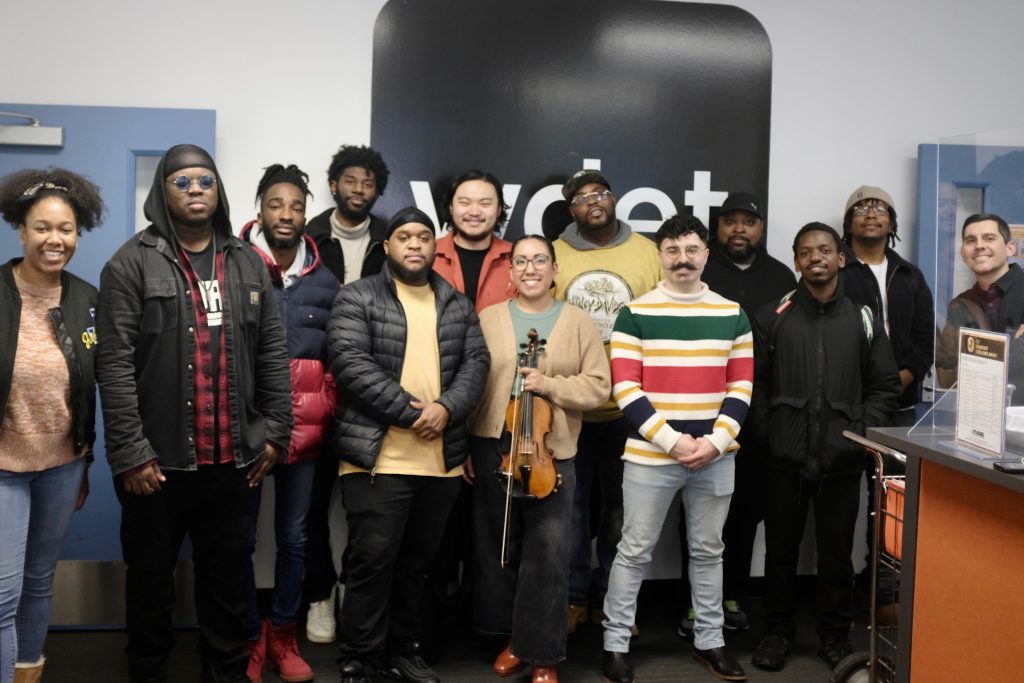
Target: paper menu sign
[981, 394]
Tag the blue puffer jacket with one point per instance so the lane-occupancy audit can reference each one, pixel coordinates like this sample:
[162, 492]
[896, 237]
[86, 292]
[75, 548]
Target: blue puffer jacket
[305, 308]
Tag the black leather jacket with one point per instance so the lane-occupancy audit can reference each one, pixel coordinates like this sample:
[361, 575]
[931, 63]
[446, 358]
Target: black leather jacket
[74, 324]
[366, 349]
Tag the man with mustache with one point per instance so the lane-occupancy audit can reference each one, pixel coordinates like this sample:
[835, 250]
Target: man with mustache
[602, 266]
[351, 244]
[741, 270]
[823, 365]
[410, 363]
[682, 373]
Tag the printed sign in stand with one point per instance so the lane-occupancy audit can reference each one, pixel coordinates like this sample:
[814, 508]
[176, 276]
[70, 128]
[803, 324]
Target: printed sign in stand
[981, 397]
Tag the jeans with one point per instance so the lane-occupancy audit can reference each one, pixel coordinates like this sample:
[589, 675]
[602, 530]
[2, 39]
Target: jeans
[647, 493]
[35, 512]
[321, 577]
[292, 486]
[395, 524]
[598, 450]
[527, 598]
[746, 510]
[213, 505]
[836, 506]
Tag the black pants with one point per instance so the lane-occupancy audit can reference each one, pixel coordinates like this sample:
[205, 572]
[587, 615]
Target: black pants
[395, 523]
[836, 505]
[527, 599]
[745, 512]
[213, 505]
[320, 577]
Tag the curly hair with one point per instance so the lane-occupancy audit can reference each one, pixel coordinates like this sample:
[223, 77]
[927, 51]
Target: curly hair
[681, 225]
[361, 157]
[19, 192]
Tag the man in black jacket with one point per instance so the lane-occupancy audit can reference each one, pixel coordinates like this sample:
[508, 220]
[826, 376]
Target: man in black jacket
[350, 241]
[193, 375]
[822, 365]
[895, 290]
[410, 363]
[741, 270]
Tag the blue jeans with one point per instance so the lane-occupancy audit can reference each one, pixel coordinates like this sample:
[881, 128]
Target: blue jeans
[35, 512]
[598, 451]
[293, 486]
[647, 493]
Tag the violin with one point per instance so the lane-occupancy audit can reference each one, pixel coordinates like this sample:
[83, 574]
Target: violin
[528, 468]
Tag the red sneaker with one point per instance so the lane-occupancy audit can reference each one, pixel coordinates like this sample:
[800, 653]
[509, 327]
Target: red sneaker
[258, 654]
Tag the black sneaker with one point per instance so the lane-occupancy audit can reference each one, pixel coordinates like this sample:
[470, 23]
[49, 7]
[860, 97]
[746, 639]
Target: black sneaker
[834, 650]
[411, 667]
[771, 652]
[354, 672]
[735, 618]
[685, 629]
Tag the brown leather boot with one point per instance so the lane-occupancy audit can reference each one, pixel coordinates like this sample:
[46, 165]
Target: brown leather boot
[29, 673]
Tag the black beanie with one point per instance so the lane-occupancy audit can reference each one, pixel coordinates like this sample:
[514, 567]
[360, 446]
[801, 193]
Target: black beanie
[409, 214]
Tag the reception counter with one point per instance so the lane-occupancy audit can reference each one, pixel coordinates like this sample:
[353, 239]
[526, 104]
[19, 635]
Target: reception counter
[962, 596]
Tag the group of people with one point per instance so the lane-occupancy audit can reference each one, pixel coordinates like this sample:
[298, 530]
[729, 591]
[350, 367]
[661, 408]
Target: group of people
[375, 353]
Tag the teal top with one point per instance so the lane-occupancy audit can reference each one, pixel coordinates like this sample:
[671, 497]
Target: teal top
[523, 322]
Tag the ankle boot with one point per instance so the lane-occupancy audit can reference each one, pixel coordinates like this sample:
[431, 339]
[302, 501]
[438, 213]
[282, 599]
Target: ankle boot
[257, 654]
[283, 653]
[29, 673]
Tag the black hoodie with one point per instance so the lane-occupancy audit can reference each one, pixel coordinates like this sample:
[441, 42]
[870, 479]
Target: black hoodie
[146, 343]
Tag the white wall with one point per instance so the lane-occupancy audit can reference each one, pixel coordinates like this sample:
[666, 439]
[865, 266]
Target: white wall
[856, 85]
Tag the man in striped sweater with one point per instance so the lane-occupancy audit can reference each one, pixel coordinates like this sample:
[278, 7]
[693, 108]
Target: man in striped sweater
[682, 367]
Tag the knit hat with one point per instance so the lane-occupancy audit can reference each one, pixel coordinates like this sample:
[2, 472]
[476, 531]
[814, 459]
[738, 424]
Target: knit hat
[868, 192]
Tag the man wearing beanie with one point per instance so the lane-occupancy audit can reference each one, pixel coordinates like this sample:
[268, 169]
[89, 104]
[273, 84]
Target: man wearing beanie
[193, 376]
[410, 363]
[894, 288]
[741, 270]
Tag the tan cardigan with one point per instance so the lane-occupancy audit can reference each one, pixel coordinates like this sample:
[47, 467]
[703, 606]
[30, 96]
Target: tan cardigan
[575, 367]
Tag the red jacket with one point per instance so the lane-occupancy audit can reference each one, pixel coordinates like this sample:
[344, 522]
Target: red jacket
[305, 308]
[494, 285]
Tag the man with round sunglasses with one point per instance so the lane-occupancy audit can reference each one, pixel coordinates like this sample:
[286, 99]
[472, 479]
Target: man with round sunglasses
[196, 393]
[603, 265]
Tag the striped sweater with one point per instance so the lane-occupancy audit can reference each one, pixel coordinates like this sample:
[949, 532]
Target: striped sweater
[681, 364]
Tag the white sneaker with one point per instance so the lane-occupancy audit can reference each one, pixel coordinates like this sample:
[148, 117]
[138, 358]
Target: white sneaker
[320, 622]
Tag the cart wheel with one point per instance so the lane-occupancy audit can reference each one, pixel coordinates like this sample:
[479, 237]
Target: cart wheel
[855, 668]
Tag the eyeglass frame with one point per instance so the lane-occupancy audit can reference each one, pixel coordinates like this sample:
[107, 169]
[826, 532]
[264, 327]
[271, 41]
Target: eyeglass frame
[877, 207]
[675, 252]
[584, 199]
[547, 260]
[198, 180]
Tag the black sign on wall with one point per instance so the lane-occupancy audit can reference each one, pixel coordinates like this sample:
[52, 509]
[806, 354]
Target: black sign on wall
[670, 100]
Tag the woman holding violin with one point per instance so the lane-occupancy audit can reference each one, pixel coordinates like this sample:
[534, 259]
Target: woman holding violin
[548, 365]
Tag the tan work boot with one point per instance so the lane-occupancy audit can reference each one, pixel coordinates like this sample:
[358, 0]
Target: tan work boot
[577, 616]
[29, 673]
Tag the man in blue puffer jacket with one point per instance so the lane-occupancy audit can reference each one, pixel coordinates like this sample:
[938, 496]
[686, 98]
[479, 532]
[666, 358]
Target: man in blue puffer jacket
[303, 290]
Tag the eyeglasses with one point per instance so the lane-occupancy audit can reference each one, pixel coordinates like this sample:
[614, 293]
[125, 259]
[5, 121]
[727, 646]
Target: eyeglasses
[184, 182]
[691, 251]
[878, 209]
[539, 261]
[582, 199]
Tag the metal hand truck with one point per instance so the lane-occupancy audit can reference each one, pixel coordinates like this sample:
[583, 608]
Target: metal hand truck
[878, 664]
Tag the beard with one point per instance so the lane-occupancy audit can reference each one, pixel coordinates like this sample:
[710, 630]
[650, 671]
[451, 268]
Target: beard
[409, 277]
[741, 253]
[282, 244]
[352, 215]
